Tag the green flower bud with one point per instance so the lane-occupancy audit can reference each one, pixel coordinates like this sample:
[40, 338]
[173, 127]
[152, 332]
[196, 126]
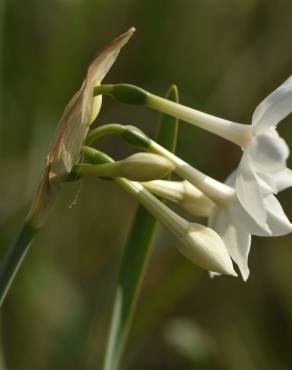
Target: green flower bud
[145, 167]
[137, 167]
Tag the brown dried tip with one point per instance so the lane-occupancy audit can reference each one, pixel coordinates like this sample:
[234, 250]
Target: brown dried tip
[78, 115]
[82, 110]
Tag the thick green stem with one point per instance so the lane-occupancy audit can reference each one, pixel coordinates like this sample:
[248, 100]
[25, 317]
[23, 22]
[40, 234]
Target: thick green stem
[14, 257]
[41, 204]
[130, 133]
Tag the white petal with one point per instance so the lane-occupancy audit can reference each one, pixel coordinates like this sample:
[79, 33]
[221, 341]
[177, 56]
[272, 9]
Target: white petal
[237, 242]
[248, 191]
[244, 222]
[266, 182]
[283, 179]
[277, 220]
[239, 216]
[268, 152]
[273, 108]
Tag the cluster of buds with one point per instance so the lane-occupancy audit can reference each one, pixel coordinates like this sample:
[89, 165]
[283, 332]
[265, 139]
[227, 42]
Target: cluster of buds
[243, 206]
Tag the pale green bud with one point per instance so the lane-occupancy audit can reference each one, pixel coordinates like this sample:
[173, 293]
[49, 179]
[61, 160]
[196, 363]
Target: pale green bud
[184, 194]
[145, 167]
[200, 244]
[204, 247]
[137, 167]
[95, 105]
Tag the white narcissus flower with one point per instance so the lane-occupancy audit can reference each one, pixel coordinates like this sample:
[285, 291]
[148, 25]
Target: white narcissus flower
[229, 217]
[263, 170]
[247, 207]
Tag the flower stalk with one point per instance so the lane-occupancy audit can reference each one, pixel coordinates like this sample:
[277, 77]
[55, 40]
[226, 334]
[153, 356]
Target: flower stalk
[235, 132]
[14, 257]
[213, 189]
[33, 222]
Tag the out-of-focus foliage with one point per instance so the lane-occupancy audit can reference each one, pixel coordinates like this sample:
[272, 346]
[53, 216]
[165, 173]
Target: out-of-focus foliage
[225, 56]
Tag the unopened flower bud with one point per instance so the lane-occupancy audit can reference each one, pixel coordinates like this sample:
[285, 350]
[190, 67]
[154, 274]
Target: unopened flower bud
[204, 247]
[200, 244]
[145, 167]
[137, 167]
[184, 194]
[95, 105]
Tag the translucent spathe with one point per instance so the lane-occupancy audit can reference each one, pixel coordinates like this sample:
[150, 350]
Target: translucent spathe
[82, 111]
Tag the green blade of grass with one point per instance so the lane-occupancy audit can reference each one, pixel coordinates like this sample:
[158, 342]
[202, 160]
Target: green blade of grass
[14, 257]
[167, 132]
[135, 258]
[11, 261]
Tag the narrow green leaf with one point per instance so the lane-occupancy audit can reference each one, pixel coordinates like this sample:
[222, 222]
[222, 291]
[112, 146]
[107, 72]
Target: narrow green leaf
[168, 128]
[12, 260]
[135, 258]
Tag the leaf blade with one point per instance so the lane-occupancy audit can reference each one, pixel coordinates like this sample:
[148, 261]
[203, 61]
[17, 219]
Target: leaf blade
[136, 257]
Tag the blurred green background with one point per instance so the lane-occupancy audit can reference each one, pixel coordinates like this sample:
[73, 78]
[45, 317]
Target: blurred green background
[225, 56]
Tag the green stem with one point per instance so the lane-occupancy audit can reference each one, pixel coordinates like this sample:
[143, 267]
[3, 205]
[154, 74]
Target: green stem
[106, 129]
[215, 190]
[136, 253]
[237, 133]
[168, 217]
[41, 204]
[15, 256]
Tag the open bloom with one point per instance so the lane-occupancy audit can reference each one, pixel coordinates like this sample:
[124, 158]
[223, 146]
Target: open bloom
[262, 170]
[261, 173]
[229, 217]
